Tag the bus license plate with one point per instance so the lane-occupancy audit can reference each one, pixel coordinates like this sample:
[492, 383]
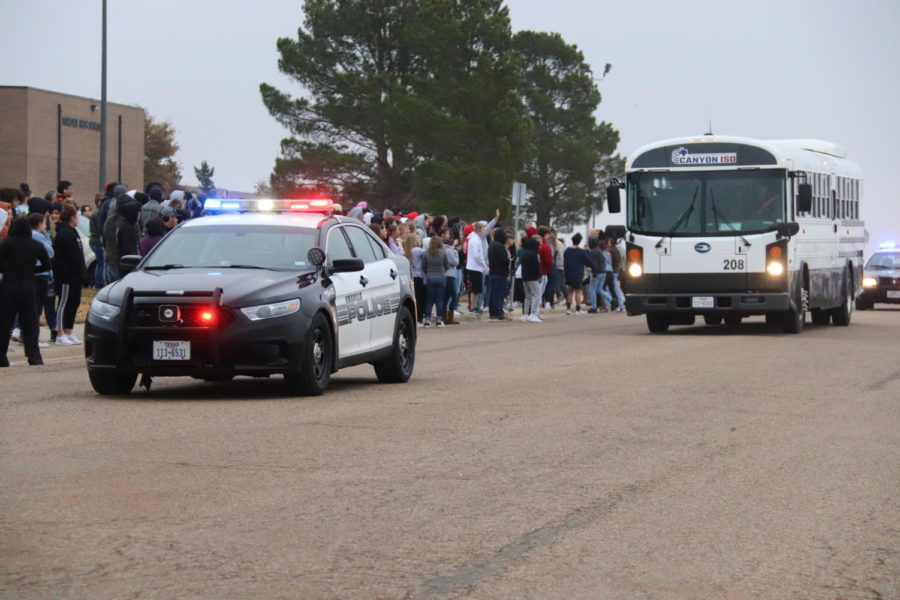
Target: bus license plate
[703, 302]
[893, 294]
[171, 350]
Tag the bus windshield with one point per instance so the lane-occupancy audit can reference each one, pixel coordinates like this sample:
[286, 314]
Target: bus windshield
[691, 203]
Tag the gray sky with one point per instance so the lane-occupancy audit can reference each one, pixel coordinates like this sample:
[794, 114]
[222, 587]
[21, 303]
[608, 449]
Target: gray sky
[764, 69]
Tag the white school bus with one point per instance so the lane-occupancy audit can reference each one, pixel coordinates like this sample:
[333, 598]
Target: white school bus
[727, 227]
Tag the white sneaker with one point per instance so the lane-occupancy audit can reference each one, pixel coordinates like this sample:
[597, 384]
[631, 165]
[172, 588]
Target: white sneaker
[547, 306]
[43, 345]
[64, 340]
[525, 318]
[532, 318]
[74, 339]
[440, 324]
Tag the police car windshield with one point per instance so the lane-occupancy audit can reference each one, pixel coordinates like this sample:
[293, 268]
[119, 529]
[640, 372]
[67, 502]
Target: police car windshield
[884, 260]
[241, 246]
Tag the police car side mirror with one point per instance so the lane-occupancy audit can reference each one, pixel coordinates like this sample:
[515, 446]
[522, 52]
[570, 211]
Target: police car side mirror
[128, 263]
[316, 256]
[347, 265]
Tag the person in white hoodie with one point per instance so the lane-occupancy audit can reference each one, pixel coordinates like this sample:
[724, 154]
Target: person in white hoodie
[476, 260]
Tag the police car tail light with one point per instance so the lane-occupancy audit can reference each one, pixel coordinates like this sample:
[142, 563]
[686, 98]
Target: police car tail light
[207, 316]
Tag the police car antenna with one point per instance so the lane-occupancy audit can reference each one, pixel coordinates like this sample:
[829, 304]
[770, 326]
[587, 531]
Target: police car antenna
[709, 131]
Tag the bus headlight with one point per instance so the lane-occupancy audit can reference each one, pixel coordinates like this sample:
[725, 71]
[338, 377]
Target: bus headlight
[870, 282]
[775, 268]
[635, 270]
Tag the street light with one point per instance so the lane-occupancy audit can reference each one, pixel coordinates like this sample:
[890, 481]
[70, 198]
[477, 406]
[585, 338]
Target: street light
[103, 105]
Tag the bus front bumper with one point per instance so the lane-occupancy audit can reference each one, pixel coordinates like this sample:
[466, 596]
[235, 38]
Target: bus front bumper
[744, 303]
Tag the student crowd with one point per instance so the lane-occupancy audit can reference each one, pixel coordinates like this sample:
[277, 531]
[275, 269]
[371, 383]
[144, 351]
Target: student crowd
[46, 243]
[483, 263]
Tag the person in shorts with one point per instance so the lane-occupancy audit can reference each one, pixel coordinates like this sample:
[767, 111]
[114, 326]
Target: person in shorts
[575, 259]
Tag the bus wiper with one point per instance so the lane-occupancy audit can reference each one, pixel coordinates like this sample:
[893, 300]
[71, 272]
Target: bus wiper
[718, 215]
[682, 218]
[164, 267]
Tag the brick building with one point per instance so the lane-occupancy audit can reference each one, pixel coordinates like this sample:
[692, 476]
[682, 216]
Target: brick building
[47, 136]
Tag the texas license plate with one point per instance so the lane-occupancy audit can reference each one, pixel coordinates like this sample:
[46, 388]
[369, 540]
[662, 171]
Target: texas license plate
[171, 350]
[893, 294]
[703, 302]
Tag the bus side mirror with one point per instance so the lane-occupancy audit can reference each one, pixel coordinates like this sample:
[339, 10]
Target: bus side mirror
[804, 198]
[616, 232]
[787, 229]
[613, 203]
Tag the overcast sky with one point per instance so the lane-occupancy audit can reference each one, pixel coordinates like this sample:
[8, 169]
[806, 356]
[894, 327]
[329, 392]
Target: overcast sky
[763, 68]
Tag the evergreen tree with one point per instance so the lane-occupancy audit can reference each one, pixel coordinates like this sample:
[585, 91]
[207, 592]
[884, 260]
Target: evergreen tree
[408, 103]
[159, 149]
[571, 151]
[204, 175]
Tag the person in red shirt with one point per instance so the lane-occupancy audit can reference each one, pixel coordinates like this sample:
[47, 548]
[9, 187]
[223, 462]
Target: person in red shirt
[545, 253]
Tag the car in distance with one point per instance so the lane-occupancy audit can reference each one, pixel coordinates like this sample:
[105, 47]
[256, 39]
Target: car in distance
[881, 278]
[300, 295]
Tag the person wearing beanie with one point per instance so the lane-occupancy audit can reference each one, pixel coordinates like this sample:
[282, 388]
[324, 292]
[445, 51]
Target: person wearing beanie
[128, 235]
[110, 243]
[107, 209]
[152, 208]
[155, 232]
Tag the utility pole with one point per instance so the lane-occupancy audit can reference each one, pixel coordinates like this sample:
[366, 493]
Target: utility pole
[103, 106]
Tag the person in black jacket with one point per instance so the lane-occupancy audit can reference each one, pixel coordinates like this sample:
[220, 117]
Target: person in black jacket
[128, 235]
[498, 267]
[531, 279]
[68, 274]
[20, 258]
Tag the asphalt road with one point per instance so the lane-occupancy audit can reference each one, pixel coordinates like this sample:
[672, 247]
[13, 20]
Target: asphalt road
[581, 458]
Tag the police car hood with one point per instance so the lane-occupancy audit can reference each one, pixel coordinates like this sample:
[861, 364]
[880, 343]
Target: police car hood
[240, 287]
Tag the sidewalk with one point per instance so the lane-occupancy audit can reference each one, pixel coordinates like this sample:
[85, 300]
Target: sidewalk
[51, 354]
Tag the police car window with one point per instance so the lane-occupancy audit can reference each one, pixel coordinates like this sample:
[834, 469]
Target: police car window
[223, 246]
[337, 245]
[377, 245]
[361, 244]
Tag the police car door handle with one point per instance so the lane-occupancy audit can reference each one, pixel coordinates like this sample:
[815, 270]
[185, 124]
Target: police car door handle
[363, 281]
[393, 274]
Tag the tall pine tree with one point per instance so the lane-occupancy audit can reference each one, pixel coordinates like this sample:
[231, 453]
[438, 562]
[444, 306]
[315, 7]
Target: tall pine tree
[406, 103]
[204, 175]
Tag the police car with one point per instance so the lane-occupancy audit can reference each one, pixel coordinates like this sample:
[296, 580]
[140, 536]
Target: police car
[881, 279]
[268, 287]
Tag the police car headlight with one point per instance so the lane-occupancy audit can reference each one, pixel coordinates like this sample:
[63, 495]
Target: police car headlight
[102, 310]
[268, 311]
[869, 282]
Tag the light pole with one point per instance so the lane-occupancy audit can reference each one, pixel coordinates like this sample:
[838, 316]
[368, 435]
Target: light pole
[103, 105]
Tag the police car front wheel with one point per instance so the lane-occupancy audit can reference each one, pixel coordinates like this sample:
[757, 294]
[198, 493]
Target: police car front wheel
[315, 362]
[398, 367]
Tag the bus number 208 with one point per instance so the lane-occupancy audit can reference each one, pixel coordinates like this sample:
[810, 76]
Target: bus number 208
[733, 265]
